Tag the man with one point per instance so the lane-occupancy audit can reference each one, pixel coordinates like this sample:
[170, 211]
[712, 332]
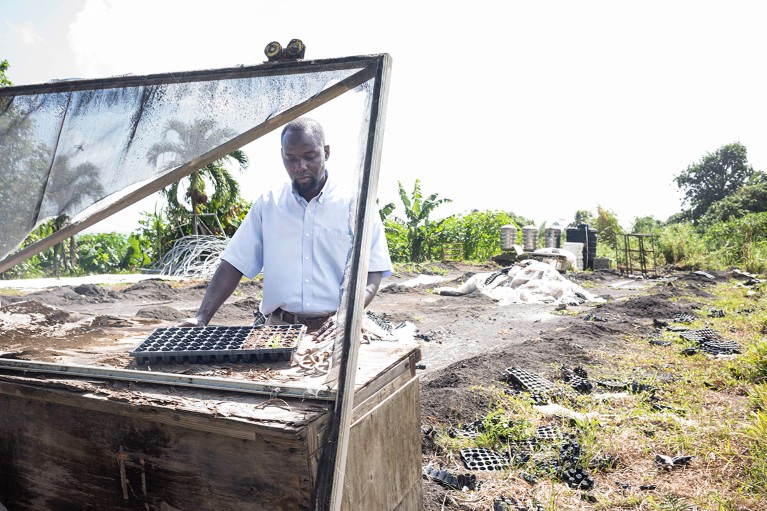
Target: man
[300, 236]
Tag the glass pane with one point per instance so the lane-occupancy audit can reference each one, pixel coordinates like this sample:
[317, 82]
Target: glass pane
[103, 141]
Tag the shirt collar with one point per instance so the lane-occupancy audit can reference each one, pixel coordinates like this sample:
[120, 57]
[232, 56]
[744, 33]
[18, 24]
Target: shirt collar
[321, 196]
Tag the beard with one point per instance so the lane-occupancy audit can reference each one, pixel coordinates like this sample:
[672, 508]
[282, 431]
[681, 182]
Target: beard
[312, 186]
[306, 187]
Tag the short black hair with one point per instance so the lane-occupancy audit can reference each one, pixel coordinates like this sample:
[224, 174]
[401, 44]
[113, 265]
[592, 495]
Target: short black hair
[305, 124]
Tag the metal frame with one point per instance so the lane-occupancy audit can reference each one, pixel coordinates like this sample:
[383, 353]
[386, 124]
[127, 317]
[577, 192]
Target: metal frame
[374, 67]
[642, 252]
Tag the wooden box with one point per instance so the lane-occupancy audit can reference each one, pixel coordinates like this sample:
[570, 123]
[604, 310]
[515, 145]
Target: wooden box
[86, 444]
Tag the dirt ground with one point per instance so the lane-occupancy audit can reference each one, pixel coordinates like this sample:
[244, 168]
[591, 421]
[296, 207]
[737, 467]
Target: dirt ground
[465, 340]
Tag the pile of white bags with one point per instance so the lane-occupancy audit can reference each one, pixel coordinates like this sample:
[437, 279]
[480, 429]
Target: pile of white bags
[527, 281]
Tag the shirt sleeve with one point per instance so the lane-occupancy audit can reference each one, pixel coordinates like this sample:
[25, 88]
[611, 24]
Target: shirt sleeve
[245, 250]
[379, 250]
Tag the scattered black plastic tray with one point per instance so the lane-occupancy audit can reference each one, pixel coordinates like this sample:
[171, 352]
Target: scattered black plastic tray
[479, 458]
[709, 341]
[721, 347]
[701, 336]
[219, 344]
[577, 477]
[459, 482]
[528, 381]
[684, 317]
[504, 503]
[470, 431]
[550, 432]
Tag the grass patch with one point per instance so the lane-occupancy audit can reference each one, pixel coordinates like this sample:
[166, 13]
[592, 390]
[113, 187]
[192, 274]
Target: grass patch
[424, 268]
[713, 409]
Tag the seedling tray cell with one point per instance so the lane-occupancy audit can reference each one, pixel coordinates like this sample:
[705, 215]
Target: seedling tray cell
[550, 432]
[479, 458]
[219, 344]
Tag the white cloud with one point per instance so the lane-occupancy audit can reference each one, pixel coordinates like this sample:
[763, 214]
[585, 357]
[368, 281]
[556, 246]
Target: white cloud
[25, 32]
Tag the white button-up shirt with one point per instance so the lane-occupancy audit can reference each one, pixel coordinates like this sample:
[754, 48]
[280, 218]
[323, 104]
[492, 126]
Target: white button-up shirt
[302, 248]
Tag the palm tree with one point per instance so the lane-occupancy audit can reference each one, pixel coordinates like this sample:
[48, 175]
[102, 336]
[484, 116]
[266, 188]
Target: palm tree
[417, 210]
[185, 142]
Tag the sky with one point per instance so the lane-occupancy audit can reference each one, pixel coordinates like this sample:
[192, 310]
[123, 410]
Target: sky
[537, 108]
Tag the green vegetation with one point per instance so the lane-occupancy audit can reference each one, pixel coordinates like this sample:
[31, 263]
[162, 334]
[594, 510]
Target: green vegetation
[417, 230]
[4, 81]
[82, 255]
[726, 225]
[182, 144]
[716, 176]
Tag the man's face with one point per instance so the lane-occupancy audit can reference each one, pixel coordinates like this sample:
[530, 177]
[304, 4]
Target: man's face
[304, 158]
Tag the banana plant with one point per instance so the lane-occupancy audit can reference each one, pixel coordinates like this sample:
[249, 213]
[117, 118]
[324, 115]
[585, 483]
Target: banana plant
[417, 211]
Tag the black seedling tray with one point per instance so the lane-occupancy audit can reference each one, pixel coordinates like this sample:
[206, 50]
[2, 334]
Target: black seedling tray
[684, 317]
[528, 381]
[459, 482]
[701, 336]
[470, 431]
[550, 432]
[479, 458]
[504, 503]
[710, 341]
[219, 344]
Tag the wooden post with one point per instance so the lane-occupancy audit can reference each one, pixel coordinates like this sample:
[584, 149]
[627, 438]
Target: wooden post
[331, 470]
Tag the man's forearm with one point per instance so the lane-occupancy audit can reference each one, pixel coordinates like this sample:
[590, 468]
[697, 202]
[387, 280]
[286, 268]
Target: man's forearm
[221, 286]
[371, 288]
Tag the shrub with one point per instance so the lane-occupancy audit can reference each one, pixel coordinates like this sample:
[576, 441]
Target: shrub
[682, 246]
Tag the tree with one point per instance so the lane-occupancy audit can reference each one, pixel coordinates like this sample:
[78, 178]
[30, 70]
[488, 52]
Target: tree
[386, 210]
[24, 162]
[751, 198]
[714, 177]
[478, 232]
[645, 225]
[582, 216]
[4, 81]
[608, 227]
[70, 187]
[417, 210]
[185, 142]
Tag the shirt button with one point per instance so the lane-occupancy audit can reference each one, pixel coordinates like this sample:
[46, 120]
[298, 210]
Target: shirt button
[307, 234]
[307, 304]
[307, 258]
[307, 280]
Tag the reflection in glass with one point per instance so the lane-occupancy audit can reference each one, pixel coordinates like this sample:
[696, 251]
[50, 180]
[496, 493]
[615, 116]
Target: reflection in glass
[63, 152]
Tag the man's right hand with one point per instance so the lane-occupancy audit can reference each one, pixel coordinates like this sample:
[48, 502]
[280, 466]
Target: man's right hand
[189, 322]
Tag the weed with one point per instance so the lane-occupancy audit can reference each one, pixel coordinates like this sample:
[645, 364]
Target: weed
[499, 428]
[756, 432]
[758, 397]
[752, 365]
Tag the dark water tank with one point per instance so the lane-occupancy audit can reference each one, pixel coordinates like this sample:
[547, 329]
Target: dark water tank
[582, 233]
